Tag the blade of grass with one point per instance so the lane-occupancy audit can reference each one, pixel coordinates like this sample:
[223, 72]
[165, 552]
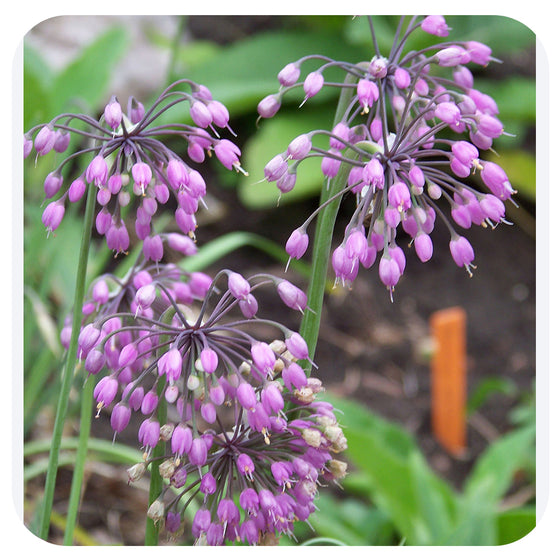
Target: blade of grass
[111, 451]
[68, 373]
[78, 475]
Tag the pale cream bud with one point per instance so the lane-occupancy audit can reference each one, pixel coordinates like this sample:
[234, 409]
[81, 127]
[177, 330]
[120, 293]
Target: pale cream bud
[136, 471]
[278, 346]
[304, 395]
[325, 421]
[315, 384]
[311, 436]
[156, 511]
[278, 366]
[245, 369]
[193, 382]
[167, 468]
[337, 468]
[166, 431]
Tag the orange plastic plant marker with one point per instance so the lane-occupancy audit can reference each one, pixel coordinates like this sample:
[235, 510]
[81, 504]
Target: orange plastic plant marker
[448, 378]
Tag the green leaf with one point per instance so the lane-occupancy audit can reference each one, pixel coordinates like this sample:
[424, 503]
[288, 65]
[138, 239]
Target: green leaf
[493, 472]
[515, 524]
[50, 262]
[85, 80]
[421, 505]
[37, 83]
[196, 53]
[487, 388]
[504, 35]
[475, 524]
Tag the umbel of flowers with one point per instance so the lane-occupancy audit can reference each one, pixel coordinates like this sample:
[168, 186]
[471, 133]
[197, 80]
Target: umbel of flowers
[247, 443]
[412, 133]
[128, 157]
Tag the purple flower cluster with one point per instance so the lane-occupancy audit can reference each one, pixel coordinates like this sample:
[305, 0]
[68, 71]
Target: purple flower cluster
[128, 156]
[246, 441]
[401, 149]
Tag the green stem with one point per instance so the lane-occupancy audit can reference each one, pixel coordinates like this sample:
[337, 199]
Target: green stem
[68, 373]
[81, 454]
[175, 48]
[156, 482]
[311, 321]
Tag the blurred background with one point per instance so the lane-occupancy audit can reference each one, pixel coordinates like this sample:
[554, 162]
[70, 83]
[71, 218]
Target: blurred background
[403, 486]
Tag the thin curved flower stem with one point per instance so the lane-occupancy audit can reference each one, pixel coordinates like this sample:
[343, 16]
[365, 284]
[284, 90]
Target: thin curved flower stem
[311, 321]
[69, 367]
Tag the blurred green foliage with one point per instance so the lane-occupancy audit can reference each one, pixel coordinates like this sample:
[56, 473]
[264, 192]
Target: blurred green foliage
[392, 494]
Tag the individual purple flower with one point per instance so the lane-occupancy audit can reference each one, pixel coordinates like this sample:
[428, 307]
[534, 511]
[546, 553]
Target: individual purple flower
[435, 25]
[410, 141]
[462, 252]
[313, 84]
[289, 75]
[269, 106]
[52, 184]
[292, 296]
[120, 417]
[44, 140]
[297, 243]
[53, 214]
[113, 113]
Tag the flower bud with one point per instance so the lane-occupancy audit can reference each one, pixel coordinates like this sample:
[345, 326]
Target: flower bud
[52, 184]
[120, 417]
[269, 106]
[313, 84]
[136, 472]
[61, 141]
[424, 247]
[44, 141]
[452, 56]
[297, 243]
[289, 75]
[113, 113]
[156, 511]
[435, 25]
[238, 285]
[461, 251]
[200, 114]
[52, 215]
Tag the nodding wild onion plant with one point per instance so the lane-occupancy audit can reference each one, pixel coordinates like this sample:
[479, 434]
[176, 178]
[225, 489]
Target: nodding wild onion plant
[397, 146]
[233, 435]
[242, 419]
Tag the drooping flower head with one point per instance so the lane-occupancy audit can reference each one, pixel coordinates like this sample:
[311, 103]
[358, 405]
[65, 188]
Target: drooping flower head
[396, 149]
[130, 159]
[246, 436]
